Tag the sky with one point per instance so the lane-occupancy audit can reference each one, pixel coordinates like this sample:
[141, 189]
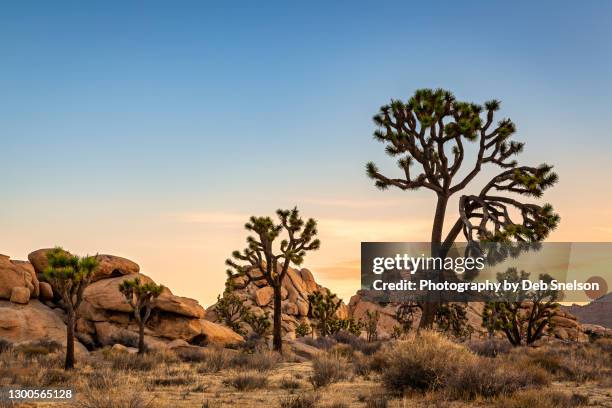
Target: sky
[153, 130]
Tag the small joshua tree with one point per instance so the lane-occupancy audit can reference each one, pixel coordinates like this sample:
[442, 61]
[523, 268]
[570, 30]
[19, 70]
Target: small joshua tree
[140, 296]
[371, 324]
[273, 263]
[452, 318]
[429, 136]
[69, 275]
[323, 307]
[524, 315]
[232, 311]
[260, 324]
[302, 329]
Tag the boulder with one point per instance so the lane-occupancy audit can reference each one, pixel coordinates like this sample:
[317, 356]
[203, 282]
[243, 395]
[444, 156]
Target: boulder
[175, 327]
[35, 321]
[20, 295]
[113, 266]
[218, 334]
[264, 296]
[16, 274]
[46, 291]
[180, 305]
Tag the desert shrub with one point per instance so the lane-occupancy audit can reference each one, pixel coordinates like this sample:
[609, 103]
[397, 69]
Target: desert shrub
[605, 345]
[425, 363]
[259, 362]
[244, 381]
[299, 401]
[287, 383]
[211, 404]
[214, 360]
[357, 343]
[541, 399]
[362, 364]
[131, 362]
[302, 329]
[490, 347]
[102, 379]
[337, 404]
[328, 368]
[485, 377]
[371, 324]
[117, 397]
[377, 400]
[39, 348]
[191, 354]
[574, 363]
[53, 377]
[323, 343]
[5, 345]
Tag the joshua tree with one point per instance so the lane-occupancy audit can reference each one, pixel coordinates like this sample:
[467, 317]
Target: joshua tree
[323, 307]
[69, 275]
[260, 324]
[140, 296]
[524, 315]
[371, 324]
[432, 130]
[273, 263]
[232, 311]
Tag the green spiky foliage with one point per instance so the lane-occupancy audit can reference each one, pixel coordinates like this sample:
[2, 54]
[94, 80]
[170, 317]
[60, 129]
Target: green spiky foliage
[262, 256]
[232, 311]
[323, 306]
[429, 136]
[260, 324]
[523, 316]
[349, 325]
[371, 324]
[69, 275]
[302, 329]
[452, 319]
[140, 297]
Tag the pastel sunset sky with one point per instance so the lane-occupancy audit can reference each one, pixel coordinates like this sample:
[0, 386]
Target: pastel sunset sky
[153, 130]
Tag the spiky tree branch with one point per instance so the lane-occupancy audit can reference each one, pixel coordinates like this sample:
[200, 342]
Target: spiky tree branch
[273, 262]
[428, 136]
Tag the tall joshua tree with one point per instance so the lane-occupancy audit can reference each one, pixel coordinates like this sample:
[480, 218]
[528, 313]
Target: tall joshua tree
[273, 261]
[140, 296]
[429, 135]
[69, 275]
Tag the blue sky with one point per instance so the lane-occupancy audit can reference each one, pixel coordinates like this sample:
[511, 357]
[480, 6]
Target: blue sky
[115, 115]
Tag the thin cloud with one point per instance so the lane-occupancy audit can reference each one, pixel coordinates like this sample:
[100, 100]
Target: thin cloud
[211, 217]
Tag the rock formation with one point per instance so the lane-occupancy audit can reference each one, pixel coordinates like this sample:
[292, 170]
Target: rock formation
[257, 295]
[598, 312]
[30, 310]
[565, 325]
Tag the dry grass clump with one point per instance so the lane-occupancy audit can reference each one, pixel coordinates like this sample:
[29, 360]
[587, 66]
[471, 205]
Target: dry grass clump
[541, 399]
[125, 361]
[576, 362]
[5, 345]
[287, 383]
[121, 397]
[485, 377]
[173, 376]
[263, 361]
[245, 381]
[299, 401]
[425, 363]
[432, 362]
[329, 368]
[490, 347]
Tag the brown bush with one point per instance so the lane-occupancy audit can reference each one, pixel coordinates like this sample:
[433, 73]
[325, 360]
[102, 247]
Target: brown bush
[299, 401]
[263, 361]
[541, 399]
[245, 381]
[424, 363]
[329, 368]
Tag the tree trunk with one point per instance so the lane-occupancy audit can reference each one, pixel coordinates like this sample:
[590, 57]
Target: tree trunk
[69, 364]
[432, 302]
[277, 341]
[141, 343]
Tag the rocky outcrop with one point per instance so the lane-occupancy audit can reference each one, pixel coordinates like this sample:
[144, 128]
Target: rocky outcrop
[17, 274]
[34, 321]
[257, 295]
[105, 318]
[598, 312]
[565, 326]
